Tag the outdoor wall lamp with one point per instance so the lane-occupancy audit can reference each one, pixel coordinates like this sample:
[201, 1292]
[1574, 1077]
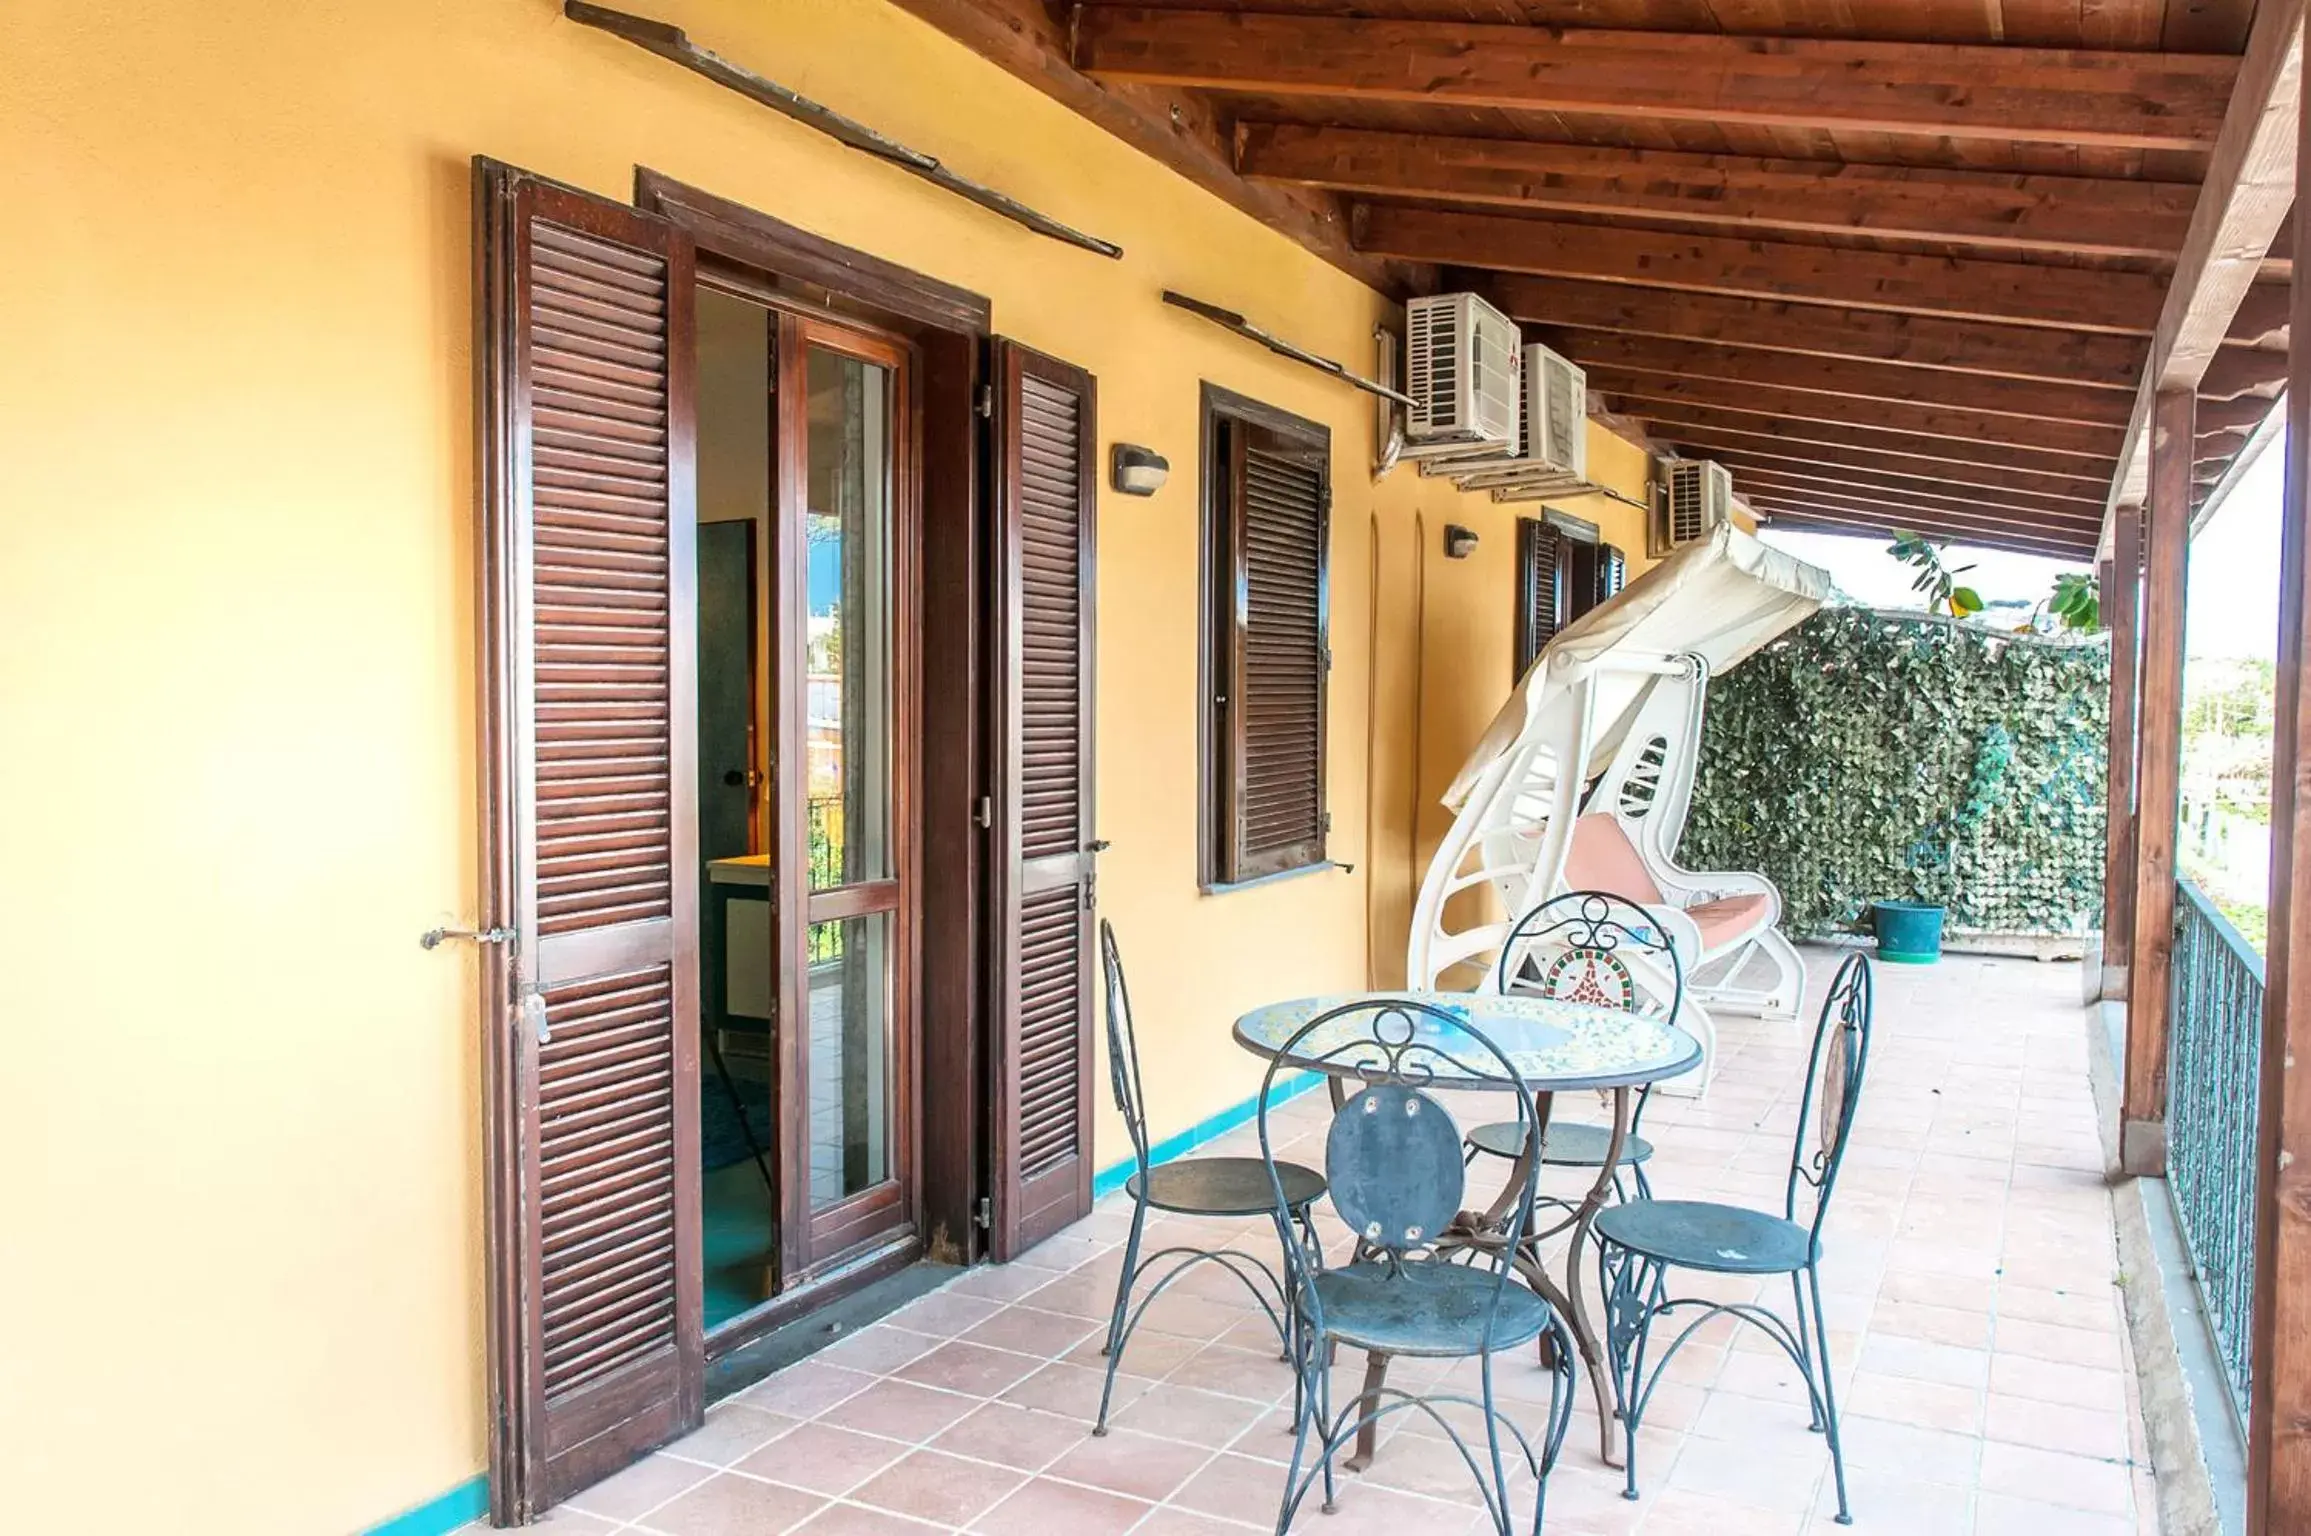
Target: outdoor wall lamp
[1137, 471]
[1459, 542]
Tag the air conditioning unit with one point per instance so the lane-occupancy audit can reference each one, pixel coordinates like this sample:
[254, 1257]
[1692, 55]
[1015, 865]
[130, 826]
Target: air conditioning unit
[1461, 373]
[1552, 453]
[1697, 495]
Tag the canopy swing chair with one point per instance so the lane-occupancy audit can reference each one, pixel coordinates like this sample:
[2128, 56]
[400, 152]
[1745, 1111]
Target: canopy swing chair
[1583, 780]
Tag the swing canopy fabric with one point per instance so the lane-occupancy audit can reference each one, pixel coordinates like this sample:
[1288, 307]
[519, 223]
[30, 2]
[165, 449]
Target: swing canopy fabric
[1719, 599]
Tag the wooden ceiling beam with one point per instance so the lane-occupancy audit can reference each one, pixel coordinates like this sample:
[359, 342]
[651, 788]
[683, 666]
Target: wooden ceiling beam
[1969, 479]
[1849, 378]
[1858, 489]
[1175, 128]
[1802, 516]
[1920, 515]
[2007, 292]
[2241, 373]
[2094, 443]
[2060, 96]
[1820, 330]
[2067, 214]
[2244, 201]
[1927, 455]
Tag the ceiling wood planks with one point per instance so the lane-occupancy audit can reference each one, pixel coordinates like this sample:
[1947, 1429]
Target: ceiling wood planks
[1898, 263]
[2065, 96]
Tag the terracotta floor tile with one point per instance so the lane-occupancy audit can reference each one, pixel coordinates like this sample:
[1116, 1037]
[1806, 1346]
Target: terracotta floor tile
[1237, 1488]
[729, 1504]
[972, 1369]
[943, 1489]
[858, 1520]
[945, 1313]
[1167, 1521]
[823, 1459]
[806, 1389]
[2101, 1432]
[899, 1410]
[1128, 1462]
[1031, 1331]
[1999, 1515]
[732, 1430]
[1047, 1508]
[1184, 1413]
[2065, 1346]
[1072, 1391]
[1022, 1438]
[639, 1489]
[878, 1350]
[2054, 1477]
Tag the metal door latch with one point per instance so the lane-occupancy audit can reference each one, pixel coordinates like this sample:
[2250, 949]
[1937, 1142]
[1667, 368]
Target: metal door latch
[432, 937]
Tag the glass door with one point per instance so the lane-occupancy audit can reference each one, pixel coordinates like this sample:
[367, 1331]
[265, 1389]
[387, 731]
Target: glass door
[846, 527]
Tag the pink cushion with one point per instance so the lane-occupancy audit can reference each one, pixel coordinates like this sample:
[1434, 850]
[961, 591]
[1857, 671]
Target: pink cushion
[1603, 859]
[1729, 918]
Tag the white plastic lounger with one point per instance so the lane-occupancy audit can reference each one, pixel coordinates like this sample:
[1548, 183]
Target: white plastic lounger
[1583, 780]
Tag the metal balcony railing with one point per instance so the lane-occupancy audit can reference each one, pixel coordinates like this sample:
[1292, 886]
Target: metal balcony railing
[2214, 1076]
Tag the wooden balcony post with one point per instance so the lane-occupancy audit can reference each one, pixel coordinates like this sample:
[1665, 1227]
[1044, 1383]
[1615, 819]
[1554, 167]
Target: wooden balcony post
[2158, 783]
[2122, 611]
[2279, 1396]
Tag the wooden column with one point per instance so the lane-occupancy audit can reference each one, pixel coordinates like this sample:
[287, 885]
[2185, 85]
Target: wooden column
[2158, 783]
[2122, 611]
[2279, 1400]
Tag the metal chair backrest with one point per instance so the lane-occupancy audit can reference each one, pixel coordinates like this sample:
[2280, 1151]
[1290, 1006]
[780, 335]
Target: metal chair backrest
[1393, 1155]
[1123, 1048]
[1593, 947]
[1597, 948]
[1833, 1092]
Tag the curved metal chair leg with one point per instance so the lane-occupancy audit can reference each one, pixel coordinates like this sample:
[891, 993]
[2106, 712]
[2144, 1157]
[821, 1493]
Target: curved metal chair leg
[1115, 1323]
[1829, 1401]
[1804, 1334]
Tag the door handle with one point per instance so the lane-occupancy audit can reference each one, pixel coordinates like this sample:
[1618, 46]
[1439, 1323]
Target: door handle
[1097, 845]
[432, 937]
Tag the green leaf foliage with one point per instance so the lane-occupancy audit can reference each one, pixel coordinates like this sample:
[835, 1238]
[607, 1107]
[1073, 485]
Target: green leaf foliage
[1873, 756]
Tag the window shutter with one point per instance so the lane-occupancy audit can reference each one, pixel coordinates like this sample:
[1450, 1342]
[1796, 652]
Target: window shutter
[1045, 516]
[1541, 562]
[584, 354]
[1280, 505]
[1612, 571]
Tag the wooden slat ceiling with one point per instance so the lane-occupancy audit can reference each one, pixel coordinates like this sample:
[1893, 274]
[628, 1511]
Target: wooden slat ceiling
[1894, 262]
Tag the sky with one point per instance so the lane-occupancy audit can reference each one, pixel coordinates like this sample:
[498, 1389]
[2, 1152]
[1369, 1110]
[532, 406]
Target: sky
[2234, 570]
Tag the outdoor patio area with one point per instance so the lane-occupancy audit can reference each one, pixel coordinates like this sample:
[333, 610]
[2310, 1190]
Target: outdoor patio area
[1972, 1283]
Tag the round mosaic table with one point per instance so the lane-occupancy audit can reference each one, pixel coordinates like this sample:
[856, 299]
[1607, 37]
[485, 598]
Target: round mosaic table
[1556, 1046]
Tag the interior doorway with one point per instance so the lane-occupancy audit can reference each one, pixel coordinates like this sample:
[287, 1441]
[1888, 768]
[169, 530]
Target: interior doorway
[807, 432]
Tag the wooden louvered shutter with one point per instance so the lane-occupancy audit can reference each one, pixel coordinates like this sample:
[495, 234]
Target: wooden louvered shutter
[1612, 571]
[1046, 437]
[584, 351]
[1541, 561]
[1280, 503]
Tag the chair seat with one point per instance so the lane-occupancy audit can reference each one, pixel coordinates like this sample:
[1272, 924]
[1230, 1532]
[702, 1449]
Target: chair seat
[1427, 1307]
[1225, 1186]
[1698, 1234]
[1570, 1144]
[1730, 919]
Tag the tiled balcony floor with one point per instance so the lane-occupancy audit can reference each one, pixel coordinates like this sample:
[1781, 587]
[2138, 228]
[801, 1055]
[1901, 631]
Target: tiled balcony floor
[1985, 1379]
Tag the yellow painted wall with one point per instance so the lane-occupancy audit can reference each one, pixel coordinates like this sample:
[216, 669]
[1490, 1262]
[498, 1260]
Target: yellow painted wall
[242, 1265]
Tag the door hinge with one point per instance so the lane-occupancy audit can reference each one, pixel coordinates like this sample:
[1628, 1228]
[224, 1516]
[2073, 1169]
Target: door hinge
[1326, 823]
[984, 812]
[985, 1214]
[986, 403]
[1327, 658]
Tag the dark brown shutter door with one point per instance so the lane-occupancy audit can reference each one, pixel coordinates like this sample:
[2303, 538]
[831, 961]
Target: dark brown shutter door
[591, 1012]
[1612, 571]
[1281, 497]
[1046, 487]
[1540, 588]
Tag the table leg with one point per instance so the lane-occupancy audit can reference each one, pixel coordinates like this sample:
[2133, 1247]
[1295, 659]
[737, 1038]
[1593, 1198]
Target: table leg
[1584, 1332]
[1368, 1433]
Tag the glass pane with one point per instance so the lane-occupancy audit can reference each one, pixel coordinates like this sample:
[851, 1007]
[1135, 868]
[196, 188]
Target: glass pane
[848, 622]
[850, 1056]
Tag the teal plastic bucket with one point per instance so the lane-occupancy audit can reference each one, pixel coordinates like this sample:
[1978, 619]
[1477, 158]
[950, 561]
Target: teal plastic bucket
[1909, 932]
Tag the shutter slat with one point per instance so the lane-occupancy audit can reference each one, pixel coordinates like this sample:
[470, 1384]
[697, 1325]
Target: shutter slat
[1280, 662]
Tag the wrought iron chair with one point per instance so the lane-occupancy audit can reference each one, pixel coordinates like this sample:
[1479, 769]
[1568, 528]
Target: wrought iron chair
[1640, 1242]
[1588, 947]
[1418, 1283]
[1189, 1186]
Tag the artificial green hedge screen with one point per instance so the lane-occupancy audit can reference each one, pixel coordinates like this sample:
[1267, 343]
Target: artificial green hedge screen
[1875, 756]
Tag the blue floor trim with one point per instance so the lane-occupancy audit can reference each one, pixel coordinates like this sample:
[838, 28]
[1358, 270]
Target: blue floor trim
[462, 1505]
[1211, 1128]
